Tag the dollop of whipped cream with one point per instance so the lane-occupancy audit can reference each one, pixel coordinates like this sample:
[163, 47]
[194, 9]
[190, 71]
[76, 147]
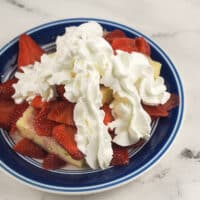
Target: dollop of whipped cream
[130, 76]
[92, 135]
[84, 60]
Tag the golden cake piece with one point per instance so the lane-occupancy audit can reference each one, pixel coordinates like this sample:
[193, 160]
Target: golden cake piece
[26, 129]
[156, 67]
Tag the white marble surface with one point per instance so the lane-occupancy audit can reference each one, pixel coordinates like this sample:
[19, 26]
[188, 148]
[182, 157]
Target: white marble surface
[175, 26]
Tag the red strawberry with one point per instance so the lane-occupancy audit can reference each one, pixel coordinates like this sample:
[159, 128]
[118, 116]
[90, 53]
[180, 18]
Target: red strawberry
[37, 102]
[62, 112]
[172, 102]
[142, 46]
[60, 91]
[29, 51]
[42, 125]
[65, 136]
[129, 45]
[52, 162]
[6, 89]
[124, 44]
[155, 111]
[18, 112]
[120, 155]
[114, 34]
[153, 118]
[27, 148]
[162, 109]
[108, 114]
[7, 108]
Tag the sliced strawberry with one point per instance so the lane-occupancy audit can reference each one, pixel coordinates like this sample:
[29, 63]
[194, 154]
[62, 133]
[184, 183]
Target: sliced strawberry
[112, 133]
[18, 112]
[62, 112]
[120, 155]
[142, 46]
[29, 51]
[128, 49]
[37, 102]
[108, 114]
[153, 118]
[42, 125]
[27, 148]
[172, 102]
[52, 162]
[65, 136]
[6, 89]
[124, 44]
[155, 111]
[60, 89]
[162, 109]
[114, 34]
[7, 108]
[129, 45]
[10, 113]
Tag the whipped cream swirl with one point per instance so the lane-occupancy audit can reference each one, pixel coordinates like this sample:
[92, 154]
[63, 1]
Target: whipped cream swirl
[84, 60]
[131, 78]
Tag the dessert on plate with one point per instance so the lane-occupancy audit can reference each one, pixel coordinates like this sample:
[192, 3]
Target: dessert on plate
[87, 103]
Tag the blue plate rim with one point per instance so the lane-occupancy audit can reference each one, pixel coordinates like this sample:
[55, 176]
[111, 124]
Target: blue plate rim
[125, 179]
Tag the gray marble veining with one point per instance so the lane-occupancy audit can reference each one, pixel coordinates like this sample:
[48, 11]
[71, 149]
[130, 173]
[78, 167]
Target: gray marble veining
[189, 154]
[22, 5]
[18, 4]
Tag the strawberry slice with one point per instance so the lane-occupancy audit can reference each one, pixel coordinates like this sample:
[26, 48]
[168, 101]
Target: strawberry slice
[112, 133]
[38, 103]
[60, 89]
[29, 51]
[65, 136]
[124, 44]
[10, 113]
[153, 118]
[27, 148]
[7, 108]
[142, 46]
[6, 89]
[120, 155]
[114, 34]
[42, 125]
[18, 112]
[155, 111]
[172, 102]
[162, 110]
[62, 112]
[52, 162]
[129, 45]
[108, 114]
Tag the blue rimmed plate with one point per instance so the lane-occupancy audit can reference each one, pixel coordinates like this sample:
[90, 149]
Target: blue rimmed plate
[88, 181]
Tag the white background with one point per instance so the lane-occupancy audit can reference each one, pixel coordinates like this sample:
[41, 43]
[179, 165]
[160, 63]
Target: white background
[175, 26]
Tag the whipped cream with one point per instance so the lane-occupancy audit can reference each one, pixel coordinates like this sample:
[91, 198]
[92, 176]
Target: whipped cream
[130, 87]
[87, 52]
[92, 135]
[84, 60]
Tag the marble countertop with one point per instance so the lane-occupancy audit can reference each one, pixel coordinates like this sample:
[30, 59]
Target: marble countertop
[175, 26]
